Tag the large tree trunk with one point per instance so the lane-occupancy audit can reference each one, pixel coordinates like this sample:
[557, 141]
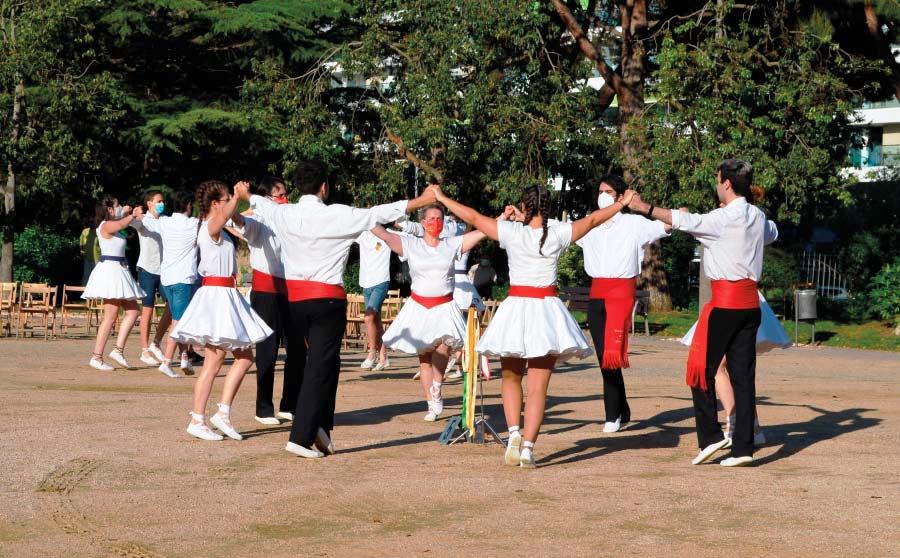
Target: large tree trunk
[653, 279]
[9, 190]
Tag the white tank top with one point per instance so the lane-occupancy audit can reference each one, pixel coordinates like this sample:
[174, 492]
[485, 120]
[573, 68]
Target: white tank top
[114, 246]
[216, 259]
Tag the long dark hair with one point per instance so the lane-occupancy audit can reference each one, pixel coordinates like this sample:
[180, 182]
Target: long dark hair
[101, 210]
[537, 202]
[208, 192]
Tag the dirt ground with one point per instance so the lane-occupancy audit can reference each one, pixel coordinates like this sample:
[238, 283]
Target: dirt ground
[98, 464]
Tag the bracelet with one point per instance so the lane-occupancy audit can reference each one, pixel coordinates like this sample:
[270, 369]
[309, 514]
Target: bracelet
[649, 213]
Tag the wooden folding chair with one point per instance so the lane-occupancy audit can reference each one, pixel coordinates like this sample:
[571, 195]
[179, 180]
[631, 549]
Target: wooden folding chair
[390, 309]
[490, 308]
[7, 305]
[37, 299]
[72, 304]
[353, 331]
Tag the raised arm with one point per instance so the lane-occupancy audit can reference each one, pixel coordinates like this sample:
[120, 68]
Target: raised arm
[392, 240]
[770, 235]
[110, 228]
[217, 222]
[584, 225]
[483, 223]
[470, 239]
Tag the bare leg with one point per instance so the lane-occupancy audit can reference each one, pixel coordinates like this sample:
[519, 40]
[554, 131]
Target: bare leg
[203, 386]
[243, 358]
[426, 373]
[110, 312]
[539, 372]
[163, 325]
[373, 340]
[131, 314]
[146, 317]
[724, 389]
[379, 334]
[171, 344]
[439, 362]
[511, 389]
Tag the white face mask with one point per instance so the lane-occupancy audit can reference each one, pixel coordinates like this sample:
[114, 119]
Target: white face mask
[605, 200]
[119, 212]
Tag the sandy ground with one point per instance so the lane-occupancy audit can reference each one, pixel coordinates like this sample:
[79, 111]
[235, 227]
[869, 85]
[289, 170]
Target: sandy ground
[98, 464]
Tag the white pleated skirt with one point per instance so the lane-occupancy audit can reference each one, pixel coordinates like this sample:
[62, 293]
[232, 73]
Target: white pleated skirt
[526, 327]
[113, 281]
[222, 317]
[770, 335]
[465, 294]
[417, 329]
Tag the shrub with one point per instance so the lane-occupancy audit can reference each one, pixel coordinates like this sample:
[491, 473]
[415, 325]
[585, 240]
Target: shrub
[884, 295]
[43, 256]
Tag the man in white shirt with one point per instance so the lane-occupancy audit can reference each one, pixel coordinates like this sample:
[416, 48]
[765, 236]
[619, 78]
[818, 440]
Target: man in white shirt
[315, 242]
[613, 253]
[148, 267]
[178, 267]
[733, 237]
[375, 280]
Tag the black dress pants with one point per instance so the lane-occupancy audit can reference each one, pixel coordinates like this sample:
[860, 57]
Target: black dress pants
[731, 333]
[615, 401]
[320, 322]
[273, 309]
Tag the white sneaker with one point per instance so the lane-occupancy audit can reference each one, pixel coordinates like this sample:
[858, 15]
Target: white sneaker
[323, 443]
[451, 363]
[200, 430]
[737, 461]
[186, 365]
[165, 369]
[417, 374]
[454, 374]
[708, 451]
[367, 364]
[284, 415]
[156, 352]
[512, 449]
[297, 449]
[433, 414]
[382, 364]
[526, 459]
[272, 421]
[759, 439]
[117, 356]
[223, 423]
[610, 427]
[147, 358]
[100, 365]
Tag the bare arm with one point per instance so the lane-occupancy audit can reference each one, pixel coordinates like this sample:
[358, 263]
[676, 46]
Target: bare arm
[217, 222]
[392, 240]
[584, 225]
[483, 223]
[470, 239]
[110, 228]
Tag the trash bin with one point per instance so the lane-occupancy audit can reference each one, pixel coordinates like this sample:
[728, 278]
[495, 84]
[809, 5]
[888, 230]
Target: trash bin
[805, 301]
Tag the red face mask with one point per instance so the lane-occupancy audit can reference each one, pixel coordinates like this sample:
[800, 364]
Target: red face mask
[280, 200]
[434, 227]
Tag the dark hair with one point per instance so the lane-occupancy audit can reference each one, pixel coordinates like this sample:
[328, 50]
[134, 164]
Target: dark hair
[208, 192]
[310, 177]
[615, 182]
[148, 195]
[181, 201]
[537, 202]
[267, 184]
[101, 210]
[740, 174]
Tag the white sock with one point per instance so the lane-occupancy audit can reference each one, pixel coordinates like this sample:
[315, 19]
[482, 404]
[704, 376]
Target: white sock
[224, 410]
[527, 448]
[513, 429]
[198, 417]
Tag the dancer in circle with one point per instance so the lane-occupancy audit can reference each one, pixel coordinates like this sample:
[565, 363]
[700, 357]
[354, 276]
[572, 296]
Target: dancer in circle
[733, 237]
[532, 329]
[613, 254]
[148, 268]
[218, 317]
[315, 242]
[375, 280]
[429, 324]
[111, 282]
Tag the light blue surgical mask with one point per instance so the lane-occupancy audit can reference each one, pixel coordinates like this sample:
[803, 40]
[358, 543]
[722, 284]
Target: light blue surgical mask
[159, 207]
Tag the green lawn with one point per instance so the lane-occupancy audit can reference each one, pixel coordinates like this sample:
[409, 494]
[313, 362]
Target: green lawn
[866, 335]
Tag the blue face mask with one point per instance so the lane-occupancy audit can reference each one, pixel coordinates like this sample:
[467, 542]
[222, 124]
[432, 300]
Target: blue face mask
[159, 208]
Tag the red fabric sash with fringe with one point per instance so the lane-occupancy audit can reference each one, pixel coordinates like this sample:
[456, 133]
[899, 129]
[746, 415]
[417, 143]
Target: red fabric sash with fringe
[618, 298]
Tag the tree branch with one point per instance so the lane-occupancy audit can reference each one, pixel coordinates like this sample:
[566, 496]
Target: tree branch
[412, 157]
[612, 79]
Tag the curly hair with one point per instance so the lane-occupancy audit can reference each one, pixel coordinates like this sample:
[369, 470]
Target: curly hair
[537, 202]
[208, 192]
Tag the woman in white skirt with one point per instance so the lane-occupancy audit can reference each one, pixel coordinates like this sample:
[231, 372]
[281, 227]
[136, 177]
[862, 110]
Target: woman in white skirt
[769, 335]
[532, 329]
[429, 324]
[218, 317]
[111, 282]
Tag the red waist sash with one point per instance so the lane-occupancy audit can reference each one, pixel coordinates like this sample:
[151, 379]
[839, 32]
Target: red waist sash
[431, 301]
[298, 290]
[532, 292]
[618, 300]
[218, 282]
[731, 295]
[265, 283]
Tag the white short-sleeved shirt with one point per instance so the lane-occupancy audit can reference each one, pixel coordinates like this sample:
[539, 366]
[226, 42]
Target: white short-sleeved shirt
[374, 260]
[431, 267]
[179, 241]
[150, 258]
[265, 248]
[527, 266]
[615, 249]
[217, 259]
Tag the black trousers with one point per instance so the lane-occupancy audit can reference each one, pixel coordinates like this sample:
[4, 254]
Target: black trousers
[732, 333]
[273, 309]
[321, 322]
[615, 401]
